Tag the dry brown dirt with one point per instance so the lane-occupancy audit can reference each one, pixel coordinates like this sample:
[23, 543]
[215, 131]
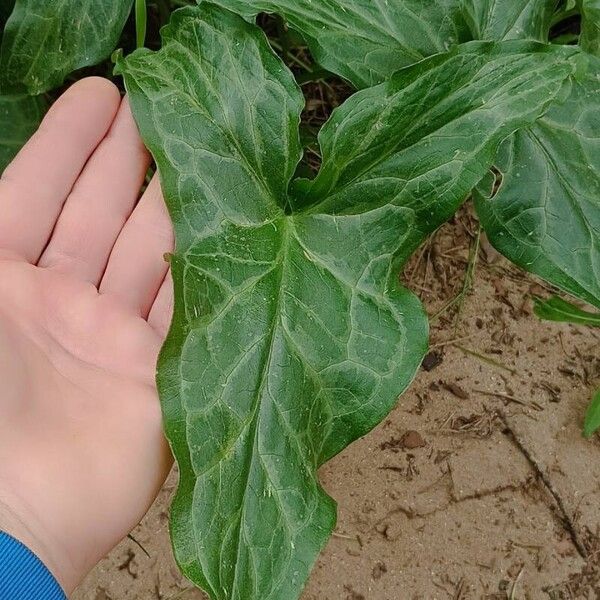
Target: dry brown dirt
[478, 485]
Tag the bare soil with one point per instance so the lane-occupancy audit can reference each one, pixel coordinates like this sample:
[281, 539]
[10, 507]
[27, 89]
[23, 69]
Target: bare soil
[478, 485]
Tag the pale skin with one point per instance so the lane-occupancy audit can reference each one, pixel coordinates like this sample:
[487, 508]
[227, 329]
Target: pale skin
[85, 303]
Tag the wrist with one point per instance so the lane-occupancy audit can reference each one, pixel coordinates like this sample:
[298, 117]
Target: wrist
[18, 522]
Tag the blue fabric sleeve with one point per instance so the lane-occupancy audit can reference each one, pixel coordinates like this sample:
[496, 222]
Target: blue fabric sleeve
[23, 576]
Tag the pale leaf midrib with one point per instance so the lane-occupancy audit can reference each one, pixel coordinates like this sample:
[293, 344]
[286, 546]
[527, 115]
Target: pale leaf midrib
[264, 377]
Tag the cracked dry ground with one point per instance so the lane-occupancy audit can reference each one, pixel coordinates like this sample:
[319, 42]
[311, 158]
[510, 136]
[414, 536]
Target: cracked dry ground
[478, 485]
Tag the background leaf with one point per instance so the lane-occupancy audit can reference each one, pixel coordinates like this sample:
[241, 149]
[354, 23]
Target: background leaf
[470, 100]
[509, 19]
[590, 26]
[20, 116]
[292, 336]
[545, 215]
[365, 41]
[557, 309]
[45, 40]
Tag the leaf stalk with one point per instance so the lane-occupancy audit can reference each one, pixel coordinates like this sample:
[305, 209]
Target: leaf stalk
[141, 22]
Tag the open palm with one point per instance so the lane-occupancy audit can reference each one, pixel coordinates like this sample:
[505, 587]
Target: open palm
[84, 307]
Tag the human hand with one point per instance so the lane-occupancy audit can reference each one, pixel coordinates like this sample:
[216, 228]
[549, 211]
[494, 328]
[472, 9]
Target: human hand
[84, 307]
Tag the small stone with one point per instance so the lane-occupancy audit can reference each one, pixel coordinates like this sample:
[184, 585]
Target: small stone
[379, 570]
[411, 440]
[431, 361]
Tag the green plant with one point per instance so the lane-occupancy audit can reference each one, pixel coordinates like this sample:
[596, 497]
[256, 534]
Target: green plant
[292, 335]
[592, 416]
[557, 309]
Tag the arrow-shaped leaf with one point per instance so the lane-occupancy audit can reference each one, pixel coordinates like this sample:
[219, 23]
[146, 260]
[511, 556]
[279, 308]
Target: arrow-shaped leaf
[292, 336]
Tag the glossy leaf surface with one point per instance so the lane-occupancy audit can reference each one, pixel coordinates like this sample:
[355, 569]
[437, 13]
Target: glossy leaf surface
[365, 41]
[509, 19]
[545, 215]
[558, 173]
[292, 336]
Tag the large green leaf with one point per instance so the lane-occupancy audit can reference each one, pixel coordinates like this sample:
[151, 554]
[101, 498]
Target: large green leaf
[292, 336]
[19, 118]
[45, 40]
[509, 19]
[384, 132]
[590, 26]
[545, 216]
[365, 41]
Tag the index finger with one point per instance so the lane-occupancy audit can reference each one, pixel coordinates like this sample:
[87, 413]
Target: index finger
[35, 185]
